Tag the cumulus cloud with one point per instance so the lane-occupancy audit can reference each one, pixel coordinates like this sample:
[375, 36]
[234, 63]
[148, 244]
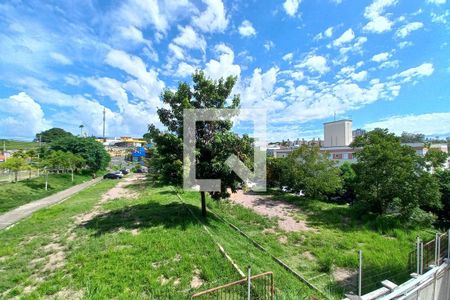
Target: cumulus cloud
[408, 28]
[21, 117]
[380, 57]
[224, 66]
[378, 22]
[188, 38]
[424, 70]
[184, 70]
[291, 7]
[246, 29]
[288, 56]
[429, 124]
[315, 63]
[213, 19]
[269, 45]
[346, 37]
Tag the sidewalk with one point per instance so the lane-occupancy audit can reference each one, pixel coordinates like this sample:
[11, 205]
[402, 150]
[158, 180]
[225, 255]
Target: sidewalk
[9, 218]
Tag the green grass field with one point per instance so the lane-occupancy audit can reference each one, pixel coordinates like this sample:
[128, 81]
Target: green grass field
[16, 194]
[17, 145]
[151, 247]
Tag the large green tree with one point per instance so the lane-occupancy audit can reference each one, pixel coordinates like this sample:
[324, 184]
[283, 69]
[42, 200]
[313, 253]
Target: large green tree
[214, 140]
[52, 134]
[391, 177]
[310, 171]
[435, 159]
[444, 185]
[94, 154]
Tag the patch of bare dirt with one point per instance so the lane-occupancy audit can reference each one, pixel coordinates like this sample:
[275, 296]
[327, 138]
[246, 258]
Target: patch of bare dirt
[163, 280]
[68, 294]
[283, 239]
[345, 276]
[119, 191]
[269, 231]
[196, 281]
[265, 206]
[309, 256]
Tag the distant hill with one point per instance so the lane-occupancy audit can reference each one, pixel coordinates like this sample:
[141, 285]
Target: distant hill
[16, 145]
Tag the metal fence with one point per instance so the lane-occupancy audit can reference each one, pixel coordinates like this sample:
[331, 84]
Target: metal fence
[429, 254]
[21, 175]
[257, 287]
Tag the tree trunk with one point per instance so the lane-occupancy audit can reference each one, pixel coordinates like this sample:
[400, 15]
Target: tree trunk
[16, 175]
[202, 194]
[72, 175]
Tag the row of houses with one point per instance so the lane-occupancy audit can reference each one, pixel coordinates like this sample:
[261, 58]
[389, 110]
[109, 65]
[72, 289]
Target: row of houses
[338, 136]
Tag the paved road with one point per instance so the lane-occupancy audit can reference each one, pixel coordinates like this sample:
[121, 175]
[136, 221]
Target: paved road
[17, 214]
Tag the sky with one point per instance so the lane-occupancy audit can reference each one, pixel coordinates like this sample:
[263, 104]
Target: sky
[382, 63]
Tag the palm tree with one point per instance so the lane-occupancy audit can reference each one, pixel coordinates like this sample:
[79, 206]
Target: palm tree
[81, 130]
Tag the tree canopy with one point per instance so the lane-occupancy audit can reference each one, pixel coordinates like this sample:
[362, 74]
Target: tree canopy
[391, 177]
[93, 152]
[311, 171]
[52, 134]
[412, 137]
[214, 140]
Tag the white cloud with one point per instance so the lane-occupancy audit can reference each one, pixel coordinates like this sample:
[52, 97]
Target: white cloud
[188, 38]
[184, 70]
[443, 18]
[60, 58]
[134, 66]
[21, 117]
[374, 13]
[213, 19]
[288, 56]
[437, 2]
[315, 63]
[258, 91]
[224, 66]
[360, 76]
[291, 6]
[429, 124]
[404, 44]
[408, 28]
[346, 37]
[423, 70]
[269, 45]
[328, 32]
[381, 57]
[246, 29]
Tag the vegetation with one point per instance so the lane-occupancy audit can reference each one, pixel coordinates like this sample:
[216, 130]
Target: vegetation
[153, 244]
[307, 170]
[52, 135]
[412, 137]
[14, 164]
[435, 159]
[16, 145]
[94, 154]
[444, 185]
[214, 140]
[13, 195]
[391, 178]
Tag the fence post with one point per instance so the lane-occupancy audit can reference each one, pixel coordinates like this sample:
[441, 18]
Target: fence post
[448, 246]
[436, 250]
[360, 274]
[421, 258]
[418, 255]
[249, 282]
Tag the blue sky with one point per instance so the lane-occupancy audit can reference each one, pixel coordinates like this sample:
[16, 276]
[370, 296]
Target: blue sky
[383, 63]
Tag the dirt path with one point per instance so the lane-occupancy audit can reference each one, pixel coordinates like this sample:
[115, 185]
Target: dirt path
[264, 205]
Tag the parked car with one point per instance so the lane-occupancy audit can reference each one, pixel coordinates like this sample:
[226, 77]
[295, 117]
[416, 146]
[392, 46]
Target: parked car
[119, 173]
[112, 176]
[124, 171]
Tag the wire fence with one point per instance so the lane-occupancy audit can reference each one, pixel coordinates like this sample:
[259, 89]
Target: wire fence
[258, 287]
[9, 176]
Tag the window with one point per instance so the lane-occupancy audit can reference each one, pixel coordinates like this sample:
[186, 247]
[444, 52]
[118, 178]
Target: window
[337, 156]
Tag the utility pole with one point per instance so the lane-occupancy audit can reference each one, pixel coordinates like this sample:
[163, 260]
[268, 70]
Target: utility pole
[104, 122]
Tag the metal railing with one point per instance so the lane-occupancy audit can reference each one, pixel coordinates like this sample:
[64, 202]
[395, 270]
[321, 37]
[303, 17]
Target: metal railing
[257, 287]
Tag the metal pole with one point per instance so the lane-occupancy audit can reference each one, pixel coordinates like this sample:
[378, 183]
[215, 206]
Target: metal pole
[418, 255]
[249, 282]
[360, 274]
[448, 244]
[421, 257]
[436, 249]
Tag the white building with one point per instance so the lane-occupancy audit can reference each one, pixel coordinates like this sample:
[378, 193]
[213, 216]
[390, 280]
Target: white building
[337, 133]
